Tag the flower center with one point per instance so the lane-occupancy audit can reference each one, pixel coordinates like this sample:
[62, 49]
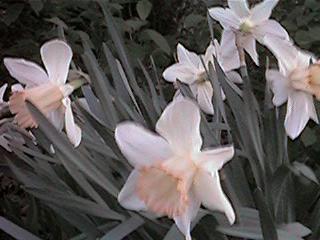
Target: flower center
[307, 80]
[46, 98]
[246, 26]
[164, 187]
[202, 77]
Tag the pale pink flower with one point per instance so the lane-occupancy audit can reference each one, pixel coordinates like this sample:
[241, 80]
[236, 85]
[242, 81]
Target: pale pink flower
[47, 90]
[296, 83]
[243, 26]
[171, 175]
[190, 70]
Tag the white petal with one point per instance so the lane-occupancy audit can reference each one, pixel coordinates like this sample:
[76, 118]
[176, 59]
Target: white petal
[234, 77]
[262, 11]
[2, 92]
[226, 17]
[304, 58]
[17, 87]
[210, 52]
[57, 118]
[178, 96]
[56, 56]
[208, 189]
[270, 28]
[213, 159]
[139, 145]
[187, 57]
[179, 124]
[284, 51]
[249, 45]
[181, 72]
[279, 86]
[183, 222]
[128, 197]
[72, 129]
[229, 51]
[26, 72]
[240, 7]
[300, 109]
[204, 97]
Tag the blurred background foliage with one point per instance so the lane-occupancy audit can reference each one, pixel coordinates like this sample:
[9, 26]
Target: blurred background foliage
[149, 28]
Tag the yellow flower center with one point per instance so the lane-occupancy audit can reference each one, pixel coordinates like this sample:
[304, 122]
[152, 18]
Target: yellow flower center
[246, 26]
[202, 77]
[307, 80]
[314, 74]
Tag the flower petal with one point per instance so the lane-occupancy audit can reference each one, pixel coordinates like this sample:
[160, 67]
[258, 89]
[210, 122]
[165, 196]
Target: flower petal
[140, 146]
[212, 160]
[56, 117]
[56, 56]
[279, 86]
[183, 222]
[240, 7]
[26, 72]
[249, 45]
[262, 11]
[181, 72]
[16, 88]
[300, 109]
[226, 17]
[2, 92]
[210, 52]
[234, 77]
[72, 129]
[270, 28]
[229, 52]
[208, 189]
[128, 197]
[204, 97]
[179, 124]
[284, 51]
[187, 57]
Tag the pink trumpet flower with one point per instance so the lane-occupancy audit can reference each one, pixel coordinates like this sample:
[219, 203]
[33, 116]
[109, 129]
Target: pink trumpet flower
[47, 90]
[172, 176]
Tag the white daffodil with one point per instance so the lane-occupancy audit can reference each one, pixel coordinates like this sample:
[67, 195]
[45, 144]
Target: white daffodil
[296, 83]
[190, 70]
[47, 90]
[243, 26]
[171, 175]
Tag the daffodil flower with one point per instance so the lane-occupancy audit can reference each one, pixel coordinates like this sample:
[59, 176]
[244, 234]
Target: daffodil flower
[296, 83]
[47, 90]
[190, 70]
[171, 175]
[243, 26]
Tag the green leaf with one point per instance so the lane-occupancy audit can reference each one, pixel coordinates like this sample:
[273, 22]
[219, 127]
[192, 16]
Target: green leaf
[16, 231]
[267, 223]
[62, 144]
[36, 5]
[12, 13]
[124, 229]
[158, 39]
[144, 8]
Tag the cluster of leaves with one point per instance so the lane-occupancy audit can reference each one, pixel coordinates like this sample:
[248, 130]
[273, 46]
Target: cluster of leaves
[71, 193]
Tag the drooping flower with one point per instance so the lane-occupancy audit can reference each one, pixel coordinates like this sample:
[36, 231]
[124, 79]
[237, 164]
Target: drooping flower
[47, 90]
[296, 83]
[243, 26]
[6, 135]
[190, 70]
[171, 175]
